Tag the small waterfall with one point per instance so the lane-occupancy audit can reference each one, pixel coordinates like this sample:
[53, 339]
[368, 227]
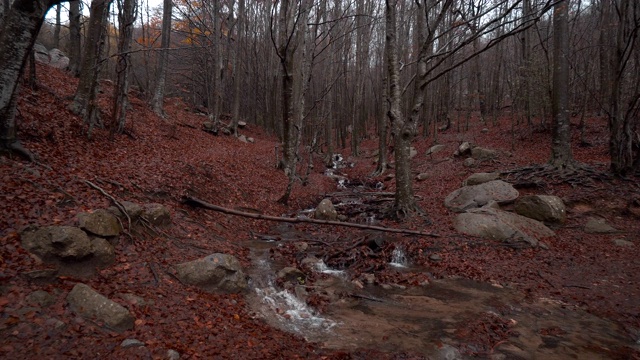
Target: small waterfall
[321, 267]
[399, 258]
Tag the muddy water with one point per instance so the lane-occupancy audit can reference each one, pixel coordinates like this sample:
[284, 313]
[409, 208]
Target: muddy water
[433, 320]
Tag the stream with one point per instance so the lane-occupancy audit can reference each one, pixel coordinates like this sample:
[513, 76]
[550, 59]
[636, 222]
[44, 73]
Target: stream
[435, 320]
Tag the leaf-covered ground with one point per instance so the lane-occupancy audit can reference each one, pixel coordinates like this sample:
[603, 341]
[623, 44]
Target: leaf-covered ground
[164, 161]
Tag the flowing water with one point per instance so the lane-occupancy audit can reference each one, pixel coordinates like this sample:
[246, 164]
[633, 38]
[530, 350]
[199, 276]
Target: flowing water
[438, 320]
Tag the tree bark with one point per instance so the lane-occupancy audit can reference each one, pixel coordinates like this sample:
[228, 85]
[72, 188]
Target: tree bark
[19, 28]
[126, 18]
[74, 49]
[83, 101]
[56, 31]
[561, 155]
[158, 93]
[237, 73]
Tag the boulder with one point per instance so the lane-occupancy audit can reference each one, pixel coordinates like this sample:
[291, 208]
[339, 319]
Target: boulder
[480, 178]
[412, 152]
[463, 149]
[216, 273]
[598, 226]
[623, 243]
[156, 214]
[469, 162]
[88, 303]
[479, 153]
[100, 222]
[501, 225]
[55, 243]
[103, 252]
[475, 196]
[291, 275]
[242, 124]
[422, 176]
[546, 208]
[41, 53]
[251, 140]
[434, 149]
[41, 299]
[134, 210]
[58, 59]
[243, 139]
[326, 211]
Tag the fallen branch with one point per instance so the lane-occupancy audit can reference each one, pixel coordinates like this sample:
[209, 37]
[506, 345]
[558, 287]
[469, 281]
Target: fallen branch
[197, 202]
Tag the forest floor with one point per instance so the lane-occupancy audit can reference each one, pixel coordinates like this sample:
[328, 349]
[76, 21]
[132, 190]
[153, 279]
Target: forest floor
[164, 161]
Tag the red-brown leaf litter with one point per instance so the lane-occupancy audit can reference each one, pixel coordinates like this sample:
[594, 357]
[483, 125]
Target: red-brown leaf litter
[163, 161]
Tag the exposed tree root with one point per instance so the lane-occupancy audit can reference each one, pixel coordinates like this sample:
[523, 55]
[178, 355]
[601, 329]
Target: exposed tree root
[536, 175]
[17, 148]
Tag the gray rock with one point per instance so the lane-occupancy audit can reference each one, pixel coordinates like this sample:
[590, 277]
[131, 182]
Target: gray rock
[156, 214]
[422, 176]
[480, 178]
[412, 152]
[598, 226]
[243, 139]
[622, 242]
[484, 130]
[88, 303]
[242, 124]
[292, 275]
[546, 208]
[479, 153]
[469, 162]
[501, 225]
[127, 343]
[100, 222]
[325, 211]
[475, 196]
[133, 299]
[134, 210]
[41, 53]
[173, 355]
[435, 257]
[251, 140]
[434, 149]
[103, 252]
[58, 59]
[41, 299]
[54, 243]
[463, 149]
[216, 273]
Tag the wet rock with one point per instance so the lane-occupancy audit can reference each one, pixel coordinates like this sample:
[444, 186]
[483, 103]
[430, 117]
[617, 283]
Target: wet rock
[100, 222]
[134, 210]
[55, 243]
[326, 211]
[291, 275]
[544, 208]
[369, 278]
[479, 153]
[622, 242]
[216, 273]
[88, 303]
[599, 226]
[434, 149]
[475, 196]
[502, 226]
[156, 214]
[310, 262]
[480, 178]
[301, 246]
[422, 176]
[127, 343]
[469, 162]
[40, 298]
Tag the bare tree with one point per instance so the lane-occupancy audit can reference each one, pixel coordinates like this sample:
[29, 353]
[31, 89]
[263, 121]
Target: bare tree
[561, 155]
[127, 12]
[19, 26]
[237, 73]
[56, 30]
[158, 94]
[74, 49]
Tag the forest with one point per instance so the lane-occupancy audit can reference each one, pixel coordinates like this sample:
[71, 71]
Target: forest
[330, 179]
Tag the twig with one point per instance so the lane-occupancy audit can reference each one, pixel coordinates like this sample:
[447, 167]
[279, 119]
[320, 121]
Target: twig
[545, 279]
[155, 273]
[196, 202]
[116, 202]
[578, 286]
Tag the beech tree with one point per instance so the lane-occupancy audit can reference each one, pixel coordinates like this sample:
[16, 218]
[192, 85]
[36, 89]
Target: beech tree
[19, 26]
[161, 75]
[74, 49]
[127, 10]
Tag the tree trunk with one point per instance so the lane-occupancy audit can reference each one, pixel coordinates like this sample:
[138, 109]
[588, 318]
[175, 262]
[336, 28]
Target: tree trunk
[74, 49]
[215, 92]
[83, 101]
[561, 155]
[237, 73]
[158, 93]
[126, 18]
[56, 31]
[18, 31]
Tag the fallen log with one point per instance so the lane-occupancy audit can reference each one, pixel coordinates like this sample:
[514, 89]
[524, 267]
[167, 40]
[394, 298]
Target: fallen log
[200, 203]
